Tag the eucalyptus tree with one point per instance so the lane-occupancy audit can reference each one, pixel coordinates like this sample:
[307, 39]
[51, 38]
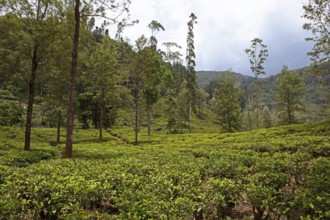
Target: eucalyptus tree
[180, 92]
[144, 76]
[155, 26]
[136, 80]
[190, 61]
[152, 70]
[257, 54]
[111, 11]
[172, 53]
[35, 26]
[172, 80]
[317, 12]
[288, 93]
[151, 91]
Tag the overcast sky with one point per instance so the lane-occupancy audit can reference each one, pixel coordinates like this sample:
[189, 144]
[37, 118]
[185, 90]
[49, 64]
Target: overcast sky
[226, 27]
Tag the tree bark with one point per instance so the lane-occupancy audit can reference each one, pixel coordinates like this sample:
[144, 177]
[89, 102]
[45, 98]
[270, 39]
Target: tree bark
[100, 123]
[190, 111]
[257, 103]
[149, 121]
[59, 121]
[74, 64]
[31, 99]
[180, 114]
[101, 115]
[136, 120]
[248, 110]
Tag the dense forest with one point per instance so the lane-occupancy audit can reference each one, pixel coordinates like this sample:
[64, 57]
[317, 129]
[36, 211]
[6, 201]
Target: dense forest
[151, 137]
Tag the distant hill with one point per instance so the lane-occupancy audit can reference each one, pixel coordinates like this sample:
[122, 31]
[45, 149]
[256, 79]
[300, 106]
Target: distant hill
[206, 77]
[316, 96]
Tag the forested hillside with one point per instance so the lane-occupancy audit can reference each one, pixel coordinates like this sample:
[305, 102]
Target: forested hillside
[315, 95]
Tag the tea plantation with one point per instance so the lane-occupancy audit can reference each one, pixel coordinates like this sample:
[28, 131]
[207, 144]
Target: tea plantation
[279, 173]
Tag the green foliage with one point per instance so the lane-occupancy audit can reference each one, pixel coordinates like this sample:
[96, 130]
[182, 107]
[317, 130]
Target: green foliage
[257, 54]
[11, 114]
[317, 13]
[266, 118]
[275, 173]
[226, 102]
[7, 95]
[315, 96]
[289, 90]
[155, 26]
[222, 196]
[190, 76]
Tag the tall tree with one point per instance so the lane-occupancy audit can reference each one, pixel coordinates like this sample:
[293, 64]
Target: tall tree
[177, 92]
[136, 79]
[72, 82]
[100, 10]
[169, 94]
[173, 82]
[172, 55]
[102, 68]
[151, 92]
[190, 60]
[36, 24]
[55, 83]
[288, 93]
[155, 26]
[318, 14]
[144, 77]
[227, 103]
[257, 54]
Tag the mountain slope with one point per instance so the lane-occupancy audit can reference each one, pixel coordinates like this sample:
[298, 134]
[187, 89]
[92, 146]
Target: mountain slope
[315, 97]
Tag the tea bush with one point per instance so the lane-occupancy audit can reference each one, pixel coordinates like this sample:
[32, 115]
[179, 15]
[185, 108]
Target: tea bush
[263, 174]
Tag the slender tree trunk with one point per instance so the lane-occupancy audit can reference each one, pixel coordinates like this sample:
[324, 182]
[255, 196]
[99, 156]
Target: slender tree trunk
[74, 64]
[179, 114]
[170, 116]
[257, 103]
[31, 99]
[100, 123]
[149, 121]
[289, 109]
[228, 119]
[136, 120]
[257, 114]
[59, 121]
[248, 109]
[101, 115]
[190, 111]
[289, 114]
